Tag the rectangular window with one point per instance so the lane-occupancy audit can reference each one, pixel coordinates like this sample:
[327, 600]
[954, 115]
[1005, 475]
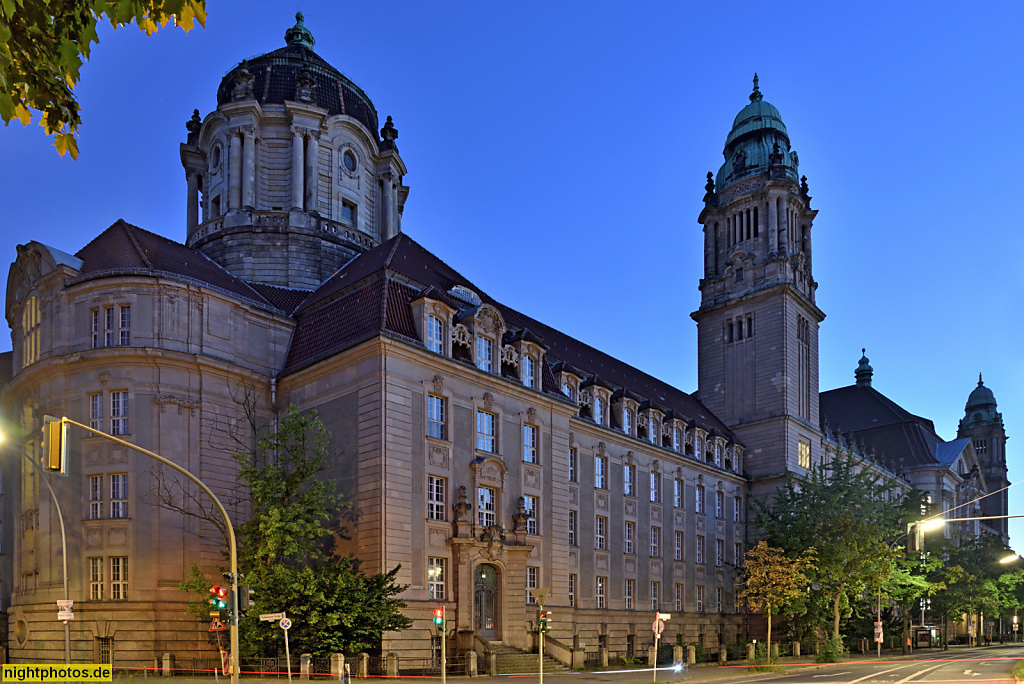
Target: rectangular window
[108, 326]
[700, 548]
[436, 497]
[95, 497]
[348, 213]
[718, 599]
[655, 595]
[436, 417]
[655, 542]
[981, 446]
[484, 358]
[737, 504]
[601, 472]
[125, 329]
[119, 413]
[629, 479]
[435, 334]
[719, 504]
[737, 553]
[572, 590]
[600, 532]
[485, 507]
[679, 597]
[678, 550]
[627, 421]
[530, 444]
[599, 584]
[572, 528]
[803, 453]
[119, 577]
[567, 390]
[436, 577]
[677, 440]
[529, 371]
[628, 535]
[653, 431]
[699, 500]
[719, 552]
[677, 494]
[573, 465]
[95, 329]
[532, 524]
[485, 431]
[531, 584]
[119, 495]
[96, 579]
[628, 590]
[700, 599]
[96, 411]
[655, 487]
[599, 410]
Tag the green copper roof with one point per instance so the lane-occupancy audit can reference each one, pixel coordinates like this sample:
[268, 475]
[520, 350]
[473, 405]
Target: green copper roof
[299, 34]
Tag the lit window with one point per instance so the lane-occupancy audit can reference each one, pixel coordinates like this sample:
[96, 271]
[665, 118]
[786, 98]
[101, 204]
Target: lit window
[30, 330]
[484, 358]
[119, 495]
[655, 542]
[96, 579]
[485, 507]
[436, 577]
[628, 589]
[677, 494]
[485, 431]
[119, 413]
[96, 411]
[719, 504]
[95, 497]
[719, 552]
[628, 534]
[530, 444]
[678, 551]
[700, 548]
[804, 453]
[435, 497]
[629, 479]
[700, 599]
[699, 499]
[119, 577]
[531, 584]
[601, 472]
[573, 456]
[528, 371]
[600, 529]
[530, 503]
[435, 334]
[655, 595]
[572, 528]
[655, 487]
[435, 417]
[572, 590]
[599, 585]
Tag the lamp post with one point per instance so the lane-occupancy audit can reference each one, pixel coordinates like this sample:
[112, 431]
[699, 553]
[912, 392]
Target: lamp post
[541, 595]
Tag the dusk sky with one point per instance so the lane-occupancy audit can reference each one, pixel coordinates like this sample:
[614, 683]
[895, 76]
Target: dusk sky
[557, 155]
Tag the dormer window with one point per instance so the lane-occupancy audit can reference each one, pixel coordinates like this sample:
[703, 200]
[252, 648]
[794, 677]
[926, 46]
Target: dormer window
[677, 440]
[627, 421]
[435, 334]
[484, 354]
[653, 431]
[599, 410]
[567, 391]
[529, 371]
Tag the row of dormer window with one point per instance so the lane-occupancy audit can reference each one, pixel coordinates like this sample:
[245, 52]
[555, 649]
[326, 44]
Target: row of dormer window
[485, 353]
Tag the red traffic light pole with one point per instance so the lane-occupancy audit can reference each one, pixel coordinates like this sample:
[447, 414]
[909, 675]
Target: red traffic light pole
[60, 450]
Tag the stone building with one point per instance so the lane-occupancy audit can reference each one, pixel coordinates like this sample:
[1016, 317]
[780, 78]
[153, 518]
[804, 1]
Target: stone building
[485, 452]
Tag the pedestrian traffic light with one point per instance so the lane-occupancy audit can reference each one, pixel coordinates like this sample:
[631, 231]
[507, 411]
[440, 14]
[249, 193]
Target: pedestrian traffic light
[544, 619]
[218, 601]
[439, 616]
[55, 448]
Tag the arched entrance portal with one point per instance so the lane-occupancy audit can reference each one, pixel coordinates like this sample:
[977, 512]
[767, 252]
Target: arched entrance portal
[485, 601]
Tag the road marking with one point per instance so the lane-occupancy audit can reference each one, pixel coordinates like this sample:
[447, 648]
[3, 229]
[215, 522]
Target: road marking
[876, 674]
[919, 672]
[834, 674]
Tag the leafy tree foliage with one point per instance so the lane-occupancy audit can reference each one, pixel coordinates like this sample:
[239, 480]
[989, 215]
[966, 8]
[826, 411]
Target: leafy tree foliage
[773, 582]
[43, 44]
[846, 513]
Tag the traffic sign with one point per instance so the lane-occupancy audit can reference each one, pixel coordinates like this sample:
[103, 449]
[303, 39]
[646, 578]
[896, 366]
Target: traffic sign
[271, 617]
[65, 610]
[285, 623]
[878, 632]
[664, 616]
[217, 625]
[659, 626]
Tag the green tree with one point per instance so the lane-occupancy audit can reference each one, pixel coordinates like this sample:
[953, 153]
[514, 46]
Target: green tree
[844, 511]
[43, 44]
[773, 582]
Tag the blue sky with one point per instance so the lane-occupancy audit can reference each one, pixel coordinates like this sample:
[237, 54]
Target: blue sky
[557, 155]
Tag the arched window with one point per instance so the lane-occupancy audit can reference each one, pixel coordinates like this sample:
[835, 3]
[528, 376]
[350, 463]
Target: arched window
[30, 332]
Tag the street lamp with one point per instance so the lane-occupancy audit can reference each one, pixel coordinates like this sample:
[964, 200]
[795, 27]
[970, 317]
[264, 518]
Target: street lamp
[1009, 559]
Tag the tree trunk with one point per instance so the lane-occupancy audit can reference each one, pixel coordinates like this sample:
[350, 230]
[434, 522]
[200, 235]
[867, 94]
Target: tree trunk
[906, 626]
[769, 634]
[835, 613]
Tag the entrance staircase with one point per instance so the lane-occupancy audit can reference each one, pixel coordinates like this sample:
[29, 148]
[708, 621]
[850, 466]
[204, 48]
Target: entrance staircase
[511, 660]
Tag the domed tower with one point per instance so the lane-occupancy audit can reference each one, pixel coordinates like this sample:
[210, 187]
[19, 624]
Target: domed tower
[984, 426]
[757, 325]
[288, 178]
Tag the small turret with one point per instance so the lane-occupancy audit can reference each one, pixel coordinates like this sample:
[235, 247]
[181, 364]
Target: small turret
[864, 370]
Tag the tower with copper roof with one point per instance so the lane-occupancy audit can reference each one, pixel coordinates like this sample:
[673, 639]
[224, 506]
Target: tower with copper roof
[757, 324]
[983, 424]
[293, 174]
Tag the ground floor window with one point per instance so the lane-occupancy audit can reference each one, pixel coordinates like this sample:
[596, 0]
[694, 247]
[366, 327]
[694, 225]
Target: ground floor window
[105, 650]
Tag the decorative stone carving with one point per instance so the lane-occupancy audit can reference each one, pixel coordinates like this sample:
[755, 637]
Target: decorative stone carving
[601, 449]
[462, 507]
[629, 457]
[163, 400]
[572, 439]
[655, 514]
[104, 377]
[243, 83]
[521, 515]
[601, 561]
[438, 384]
[94, 537]
[509, 356]
[655, 568]
[741, 188]
[680, 519]
[438, 456]
[629, 507]
[601, 501]
[679, 571]
[93, 457]
[193, 125]
[117, 455]
[720, 528]
[460, 335]
[584, 397]
[574, 558]
[463, 555]
[641, 420]
[117, 536]
[574, 495]
[488, 401]
[56, 408]
[531, 415]
[490, 472]
[531, 478]
[304, 86]
[437, 537]
[656, 466]
[489, 320]
[389, 134]
[630, 565]
[700, 523]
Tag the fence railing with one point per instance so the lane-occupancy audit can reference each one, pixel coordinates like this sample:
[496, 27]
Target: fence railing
[591, 658]
[454, 665]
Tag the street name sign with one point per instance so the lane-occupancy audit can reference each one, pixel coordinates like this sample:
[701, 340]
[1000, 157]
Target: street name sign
[271, 617]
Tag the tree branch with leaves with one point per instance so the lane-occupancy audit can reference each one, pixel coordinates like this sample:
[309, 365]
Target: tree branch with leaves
[774, 582]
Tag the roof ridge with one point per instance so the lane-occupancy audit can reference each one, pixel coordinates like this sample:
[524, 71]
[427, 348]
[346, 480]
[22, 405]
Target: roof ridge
[129, 230]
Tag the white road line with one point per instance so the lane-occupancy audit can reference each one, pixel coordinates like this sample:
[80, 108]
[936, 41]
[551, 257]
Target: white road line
[833, 674]
[920, 672]
[876, 674]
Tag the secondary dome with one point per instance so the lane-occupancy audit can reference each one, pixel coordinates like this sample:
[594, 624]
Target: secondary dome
[275, 76]
[757, 141]
[981, 397]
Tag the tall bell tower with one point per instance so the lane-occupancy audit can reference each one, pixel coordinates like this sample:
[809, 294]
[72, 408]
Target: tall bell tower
[983, 424]
[757, 325]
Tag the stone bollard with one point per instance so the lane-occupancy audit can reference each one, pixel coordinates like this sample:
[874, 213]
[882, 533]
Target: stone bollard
[578, 657]
[337, 665]
[775, 652]
[652, 656]
[602, 656]
[364, 665]
[796, 649]
[392, 665]
[723, 654]
[304, 661]
[492, 663]
[168, 664]
[691, 655]
[750, 651]
[677, 655]
[471, 664]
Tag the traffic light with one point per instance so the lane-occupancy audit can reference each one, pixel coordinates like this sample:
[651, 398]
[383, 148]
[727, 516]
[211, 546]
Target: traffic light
[245, 599]
[545, 617]
[439, 616]
[914, 538]
[55, 446]
[218, 601]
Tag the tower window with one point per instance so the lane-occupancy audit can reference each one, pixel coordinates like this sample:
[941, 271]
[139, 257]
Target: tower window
[750, 326]
[349, 160]
[348, 213]
[739, 274]
[755, 221]
[981, 446]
